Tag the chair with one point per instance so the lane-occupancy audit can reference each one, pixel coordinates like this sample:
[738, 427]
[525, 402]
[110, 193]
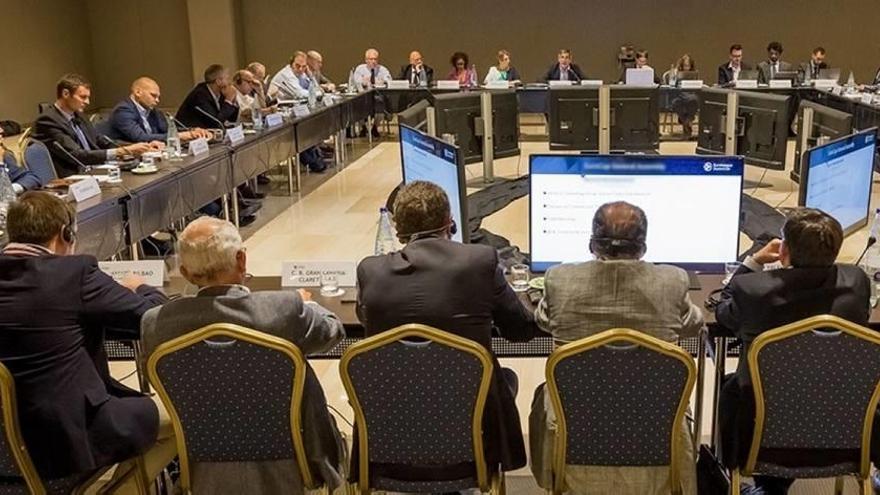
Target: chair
[619, 398]
[419, 403]
[17, 472]
[834, 366]
[38, 160]
[215, 378]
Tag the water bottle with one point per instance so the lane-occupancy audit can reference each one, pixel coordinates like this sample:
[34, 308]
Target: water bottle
[352, 84]
[313, 93]
[257, 115]
[851, 84]
[7, 195]
[472, 82]
[386, 237]
[673, 76]
[172, 141]
[871, 260]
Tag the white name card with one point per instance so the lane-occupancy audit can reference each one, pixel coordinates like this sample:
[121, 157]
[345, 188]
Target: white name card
[235, 135]
[198, 146]
[308, 273]
[274, 120]
[746, 84]
[300, 110]
[559, 83]
[824, 83]
[867, 98]
[497, 85]
[448, 85]
[153, 271]
[398, 84]
[593, 83]
[327, 101]
[85, 189]
[780, 83]
[691, 84]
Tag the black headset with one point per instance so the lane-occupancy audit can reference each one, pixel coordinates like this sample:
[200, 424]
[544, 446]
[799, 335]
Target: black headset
[68, 232]
[453, 229]
[614, 244]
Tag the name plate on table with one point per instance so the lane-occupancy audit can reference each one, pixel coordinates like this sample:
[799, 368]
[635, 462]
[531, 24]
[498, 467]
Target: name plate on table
[235, 135]
[327, 101]
[398, 84]
[691, 84]
[780, 83]
[86, 188]
[553, 84]
[497, 85]
[824, 83]
[198, 146]
[593, 83]
[746, 84]
[153, 271]
[274, 120]
[308, 273]
[867, 98]
[300, 110]
[448, 85]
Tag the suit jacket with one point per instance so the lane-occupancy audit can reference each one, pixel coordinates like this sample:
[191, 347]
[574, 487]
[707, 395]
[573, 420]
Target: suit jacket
[457, 288]
[754, 302]
[805, 68]
[201, 97]
[407, 70]
[282, 314]
[53, 311]
[52, 126]
[764, 70]
[725, 73]
[126, 124]
[22, 176]
[574, 74]
[583, 299]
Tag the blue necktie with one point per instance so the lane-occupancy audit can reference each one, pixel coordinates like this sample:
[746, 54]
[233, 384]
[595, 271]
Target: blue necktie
[79, 134]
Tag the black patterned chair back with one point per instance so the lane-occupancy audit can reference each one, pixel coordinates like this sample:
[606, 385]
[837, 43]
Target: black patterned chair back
[419, 400]
[817, 381]
[233, 394]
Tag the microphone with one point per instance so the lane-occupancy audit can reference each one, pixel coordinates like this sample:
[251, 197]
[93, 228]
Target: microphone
[572, 72]
[177, 122]
[215, 119]
[82, 166]
[872, 236]
[108, 139]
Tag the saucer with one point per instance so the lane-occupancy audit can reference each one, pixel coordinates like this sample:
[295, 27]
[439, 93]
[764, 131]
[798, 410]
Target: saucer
[144, 170]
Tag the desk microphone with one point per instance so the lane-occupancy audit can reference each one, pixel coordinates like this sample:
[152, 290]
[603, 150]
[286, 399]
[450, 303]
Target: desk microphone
[572, 72]
[872, 236]
[215, 119]
[108, 139]
[177, 122]
[83, 168]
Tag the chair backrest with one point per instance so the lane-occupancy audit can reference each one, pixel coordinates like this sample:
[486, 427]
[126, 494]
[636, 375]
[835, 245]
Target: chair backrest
[101, 124]
[15, 462]
[233, 394]
[418, 395]
[620, 397]
[38, 160]
[816, 385]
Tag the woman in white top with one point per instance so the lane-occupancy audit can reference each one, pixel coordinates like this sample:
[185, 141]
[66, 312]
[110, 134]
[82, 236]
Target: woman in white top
[503, 71]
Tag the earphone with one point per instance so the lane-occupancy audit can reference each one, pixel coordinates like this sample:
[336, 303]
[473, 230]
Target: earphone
[615, 244]
[68, 233]
[453, 229]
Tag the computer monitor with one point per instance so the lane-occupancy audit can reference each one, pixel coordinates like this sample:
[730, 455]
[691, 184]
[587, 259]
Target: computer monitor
[692, 206]
[505, 123]
[424, 157]
[574, 118]
[838, 176]
[635, 119]
[416, 116]
[828, 124]
[787, 75]
[829, 74]
[748, 75]
[688, 75]
[713, 115]
[460, 114]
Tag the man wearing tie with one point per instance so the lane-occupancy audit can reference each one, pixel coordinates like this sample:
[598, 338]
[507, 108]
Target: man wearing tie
[564, 69]
[368, 75]
[62, 125]
[212, 102]
[417, 73]
[810, 70]
[768, 69]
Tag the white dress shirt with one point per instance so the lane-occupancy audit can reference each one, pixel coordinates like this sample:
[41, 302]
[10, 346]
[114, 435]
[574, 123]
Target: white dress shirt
[286, 85]
[361, 76]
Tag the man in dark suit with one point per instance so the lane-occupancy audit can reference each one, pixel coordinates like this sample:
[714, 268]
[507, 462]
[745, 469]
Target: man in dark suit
[756, 301]
[22, 179]
[768, 69]
[810, 70]
[211, 101]
[728, 72]
[564, 69]
[417, 72]
[212, 257]
[54, 307]
[137, 120]
[454, 287]
[63, 125]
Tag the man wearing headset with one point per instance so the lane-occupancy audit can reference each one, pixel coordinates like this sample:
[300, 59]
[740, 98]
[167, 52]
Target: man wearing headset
[615, 290]
[54, 308]
[458, 288]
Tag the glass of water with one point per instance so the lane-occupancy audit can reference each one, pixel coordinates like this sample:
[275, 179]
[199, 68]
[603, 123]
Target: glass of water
[329, 285]
[113, 174]
[519, 277]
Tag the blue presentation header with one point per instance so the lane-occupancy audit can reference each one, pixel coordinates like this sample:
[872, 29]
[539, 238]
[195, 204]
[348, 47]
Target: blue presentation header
[429, 144]
[840, 148]
[636, 165]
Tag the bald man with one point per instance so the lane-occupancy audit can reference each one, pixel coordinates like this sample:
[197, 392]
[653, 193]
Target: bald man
[417, 72]
[137, 120]
[315, 62]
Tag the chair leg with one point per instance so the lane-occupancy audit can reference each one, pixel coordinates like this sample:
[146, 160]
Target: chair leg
[838, 485]
[865, 486]
[735, 481]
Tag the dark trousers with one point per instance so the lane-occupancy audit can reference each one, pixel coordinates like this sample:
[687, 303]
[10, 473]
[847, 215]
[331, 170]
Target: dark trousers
[511, 380]
[312, 158]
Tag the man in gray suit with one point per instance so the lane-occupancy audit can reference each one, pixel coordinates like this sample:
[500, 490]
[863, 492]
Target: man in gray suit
[616, 290]
[768, 69]
[212, 257]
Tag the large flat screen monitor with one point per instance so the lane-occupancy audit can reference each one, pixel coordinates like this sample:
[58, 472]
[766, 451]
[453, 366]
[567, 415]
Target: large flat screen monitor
[574, 118]
[837, 179]
[692, 204]
[460, 114]
[427, 158]
[828, 124]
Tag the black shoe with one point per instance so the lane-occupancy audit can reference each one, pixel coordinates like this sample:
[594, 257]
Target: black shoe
[263, 179]
[317, 170]
[248, 193]
[246, 209]
[246, 220]
[375, 132]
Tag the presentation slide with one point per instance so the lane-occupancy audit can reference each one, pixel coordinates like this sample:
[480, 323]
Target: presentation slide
[839, 179]
[692, 206]
[430, 159]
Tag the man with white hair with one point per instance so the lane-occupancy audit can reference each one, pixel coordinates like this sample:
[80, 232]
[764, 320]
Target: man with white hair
[213, 258]
[369, 75]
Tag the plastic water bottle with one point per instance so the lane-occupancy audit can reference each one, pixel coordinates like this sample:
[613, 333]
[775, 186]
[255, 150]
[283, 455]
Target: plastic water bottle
[313, 93]
[871, 261]
[7, 195]
[472, 81]
[257, 115]
[850, 84]
[386, 237]
[172, 141]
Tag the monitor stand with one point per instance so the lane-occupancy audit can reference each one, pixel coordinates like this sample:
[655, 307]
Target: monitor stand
[694, 281]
